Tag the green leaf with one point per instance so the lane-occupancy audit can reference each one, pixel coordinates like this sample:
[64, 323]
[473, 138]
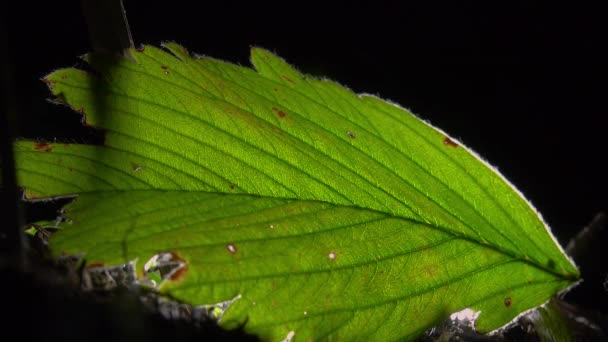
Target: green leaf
[328, 214]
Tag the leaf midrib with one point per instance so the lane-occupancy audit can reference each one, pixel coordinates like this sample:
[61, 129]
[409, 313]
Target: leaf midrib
[382, 215]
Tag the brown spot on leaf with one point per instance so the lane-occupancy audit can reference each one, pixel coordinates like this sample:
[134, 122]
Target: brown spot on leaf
[449, 142]
[279, 112]
[231, 186]
[351, 135]
[70, 169]
[231, 248]
[285, 78]
[179, 274]
[95, 264]
[181, 271]
[42, 146]
[164, 67]
[508, 302]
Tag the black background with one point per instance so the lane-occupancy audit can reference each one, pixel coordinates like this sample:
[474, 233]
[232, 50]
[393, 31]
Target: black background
[520, 82]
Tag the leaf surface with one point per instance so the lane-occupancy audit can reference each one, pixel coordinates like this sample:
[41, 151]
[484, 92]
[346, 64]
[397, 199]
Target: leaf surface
[382, 224]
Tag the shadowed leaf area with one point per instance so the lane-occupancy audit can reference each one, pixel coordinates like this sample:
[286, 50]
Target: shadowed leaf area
[326, 214]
